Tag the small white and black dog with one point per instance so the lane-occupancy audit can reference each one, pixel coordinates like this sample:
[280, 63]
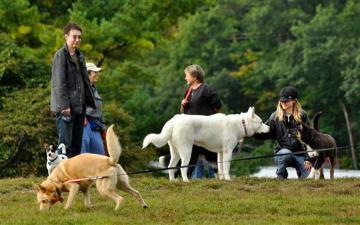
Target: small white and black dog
[54, 155]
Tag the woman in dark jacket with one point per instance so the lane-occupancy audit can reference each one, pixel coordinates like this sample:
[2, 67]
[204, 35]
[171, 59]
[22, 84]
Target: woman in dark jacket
[284, 124]
[200, 99]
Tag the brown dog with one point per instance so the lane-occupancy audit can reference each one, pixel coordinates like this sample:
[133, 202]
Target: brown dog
[317, 140]
[78, 173]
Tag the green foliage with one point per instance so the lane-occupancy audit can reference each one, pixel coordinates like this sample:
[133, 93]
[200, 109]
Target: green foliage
[26, 124]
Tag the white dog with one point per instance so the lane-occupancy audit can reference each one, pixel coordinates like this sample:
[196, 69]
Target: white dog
[218, 133]
[54, 156]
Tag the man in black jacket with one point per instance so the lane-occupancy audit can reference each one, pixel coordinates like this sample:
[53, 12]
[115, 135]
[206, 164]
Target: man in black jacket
[70, 90]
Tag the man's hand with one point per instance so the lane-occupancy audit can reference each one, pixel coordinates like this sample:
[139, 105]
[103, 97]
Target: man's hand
[66, 112]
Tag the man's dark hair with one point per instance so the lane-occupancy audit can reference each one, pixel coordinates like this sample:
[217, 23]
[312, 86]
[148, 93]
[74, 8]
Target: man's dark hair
[71, 26]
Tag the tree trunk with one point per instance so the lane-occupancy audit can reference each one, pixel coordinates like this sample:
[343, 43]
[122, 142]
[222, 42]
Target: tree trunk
[350, 136]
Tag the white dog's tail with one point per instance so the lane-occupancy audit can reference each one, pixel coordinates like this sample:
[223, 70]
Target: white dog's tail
[161, 139]
[113, 146]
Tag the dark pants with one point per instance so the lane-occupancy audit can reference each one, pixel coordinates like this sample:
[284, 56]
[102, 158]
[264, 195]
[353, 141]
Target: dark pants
[70, 133]
[199, 169]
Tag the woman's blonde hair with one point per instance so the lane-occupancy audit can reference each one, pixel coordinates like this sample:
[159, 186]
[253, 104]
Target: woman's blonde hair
[196, 71]
[280, 112]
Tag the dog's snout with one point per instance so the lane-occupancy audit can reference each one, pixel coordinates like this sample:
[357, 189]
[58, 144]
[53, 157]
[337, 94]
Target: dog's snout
[44, 206]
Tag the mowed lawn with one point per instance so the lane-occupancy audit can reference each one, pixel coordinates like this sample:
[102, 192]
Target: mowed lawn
[241, 201]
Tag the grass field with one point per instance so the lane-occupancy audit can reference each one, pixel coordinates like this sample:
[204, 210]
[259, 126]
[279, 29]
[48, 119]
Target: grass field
[241, 201]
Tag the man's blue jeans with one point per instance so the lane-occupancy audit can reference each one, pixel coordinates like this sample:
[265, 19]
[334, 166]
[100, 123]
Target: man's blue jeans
[289, 160]
[70, 133]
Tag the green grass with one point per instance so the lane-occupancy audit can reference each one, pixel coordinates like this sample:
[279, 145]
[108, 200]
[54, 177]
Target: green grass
[241, 201]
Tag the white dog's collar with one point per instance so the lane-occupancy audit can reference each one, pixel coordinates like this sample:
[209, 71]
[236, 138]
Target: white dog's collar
[244, 125]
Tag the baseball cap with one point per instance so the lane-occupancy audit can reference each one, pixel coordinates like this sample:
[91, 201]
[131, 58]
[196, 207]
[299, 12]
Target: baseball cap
[92, 67]
[288, 93]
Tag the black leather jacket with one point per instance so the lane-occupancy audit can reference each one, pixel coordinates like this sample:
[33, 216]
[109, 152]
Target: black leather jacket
[284, 132]
[65, 84]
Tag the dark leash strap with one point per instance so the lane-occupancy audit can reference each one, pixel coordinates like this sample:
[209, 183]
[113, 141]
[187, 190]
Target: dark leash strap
[241, 159]
[193, 165]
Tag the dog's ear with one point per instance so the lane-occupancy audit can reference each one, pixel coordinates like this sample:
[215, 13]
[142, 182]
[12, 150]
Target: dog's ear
[251, 111]
[300, 127]
[39, 187]
[46, 145]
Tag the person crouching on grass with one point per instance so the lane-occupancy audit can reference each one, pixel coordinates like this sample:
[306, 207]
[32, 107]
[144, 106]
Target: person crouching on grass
[284, 129]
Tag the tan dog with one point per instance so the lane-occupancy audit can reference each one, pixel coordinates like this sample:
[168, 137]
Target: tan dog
[74, 175]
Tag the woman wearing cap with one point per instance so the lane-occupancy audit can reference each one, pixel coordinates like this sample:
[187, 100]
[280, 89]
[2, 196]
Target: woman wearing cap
[94, 126]
[284, 129]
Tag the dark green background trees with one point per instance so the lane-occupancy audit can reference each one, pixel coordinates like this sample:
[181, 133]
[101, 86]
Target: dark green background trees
[249, 49]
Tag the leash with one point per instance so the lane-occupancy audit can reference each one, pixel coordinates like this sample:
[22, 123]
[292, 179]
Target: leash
[240, 159]
[85, 179]
[193, 165]
[292, 153]
[144, 171]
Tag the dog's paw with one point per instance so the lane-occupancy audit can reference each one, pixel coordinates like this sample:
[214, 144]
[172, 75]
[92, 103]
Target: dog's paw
[90, 206]
[118, 202]
[311, 174]
[221, 176]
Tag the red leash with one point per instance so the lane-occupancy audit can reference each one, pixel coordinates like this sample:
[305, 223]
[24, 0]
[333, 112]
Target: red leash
[84, 179]
[188, 95]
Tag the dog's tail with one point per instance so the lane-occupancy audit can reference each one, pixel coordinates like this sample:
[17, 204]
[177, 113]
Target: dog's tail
[161, 139]
[62, 148]
[113, 146]
[315, 120]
